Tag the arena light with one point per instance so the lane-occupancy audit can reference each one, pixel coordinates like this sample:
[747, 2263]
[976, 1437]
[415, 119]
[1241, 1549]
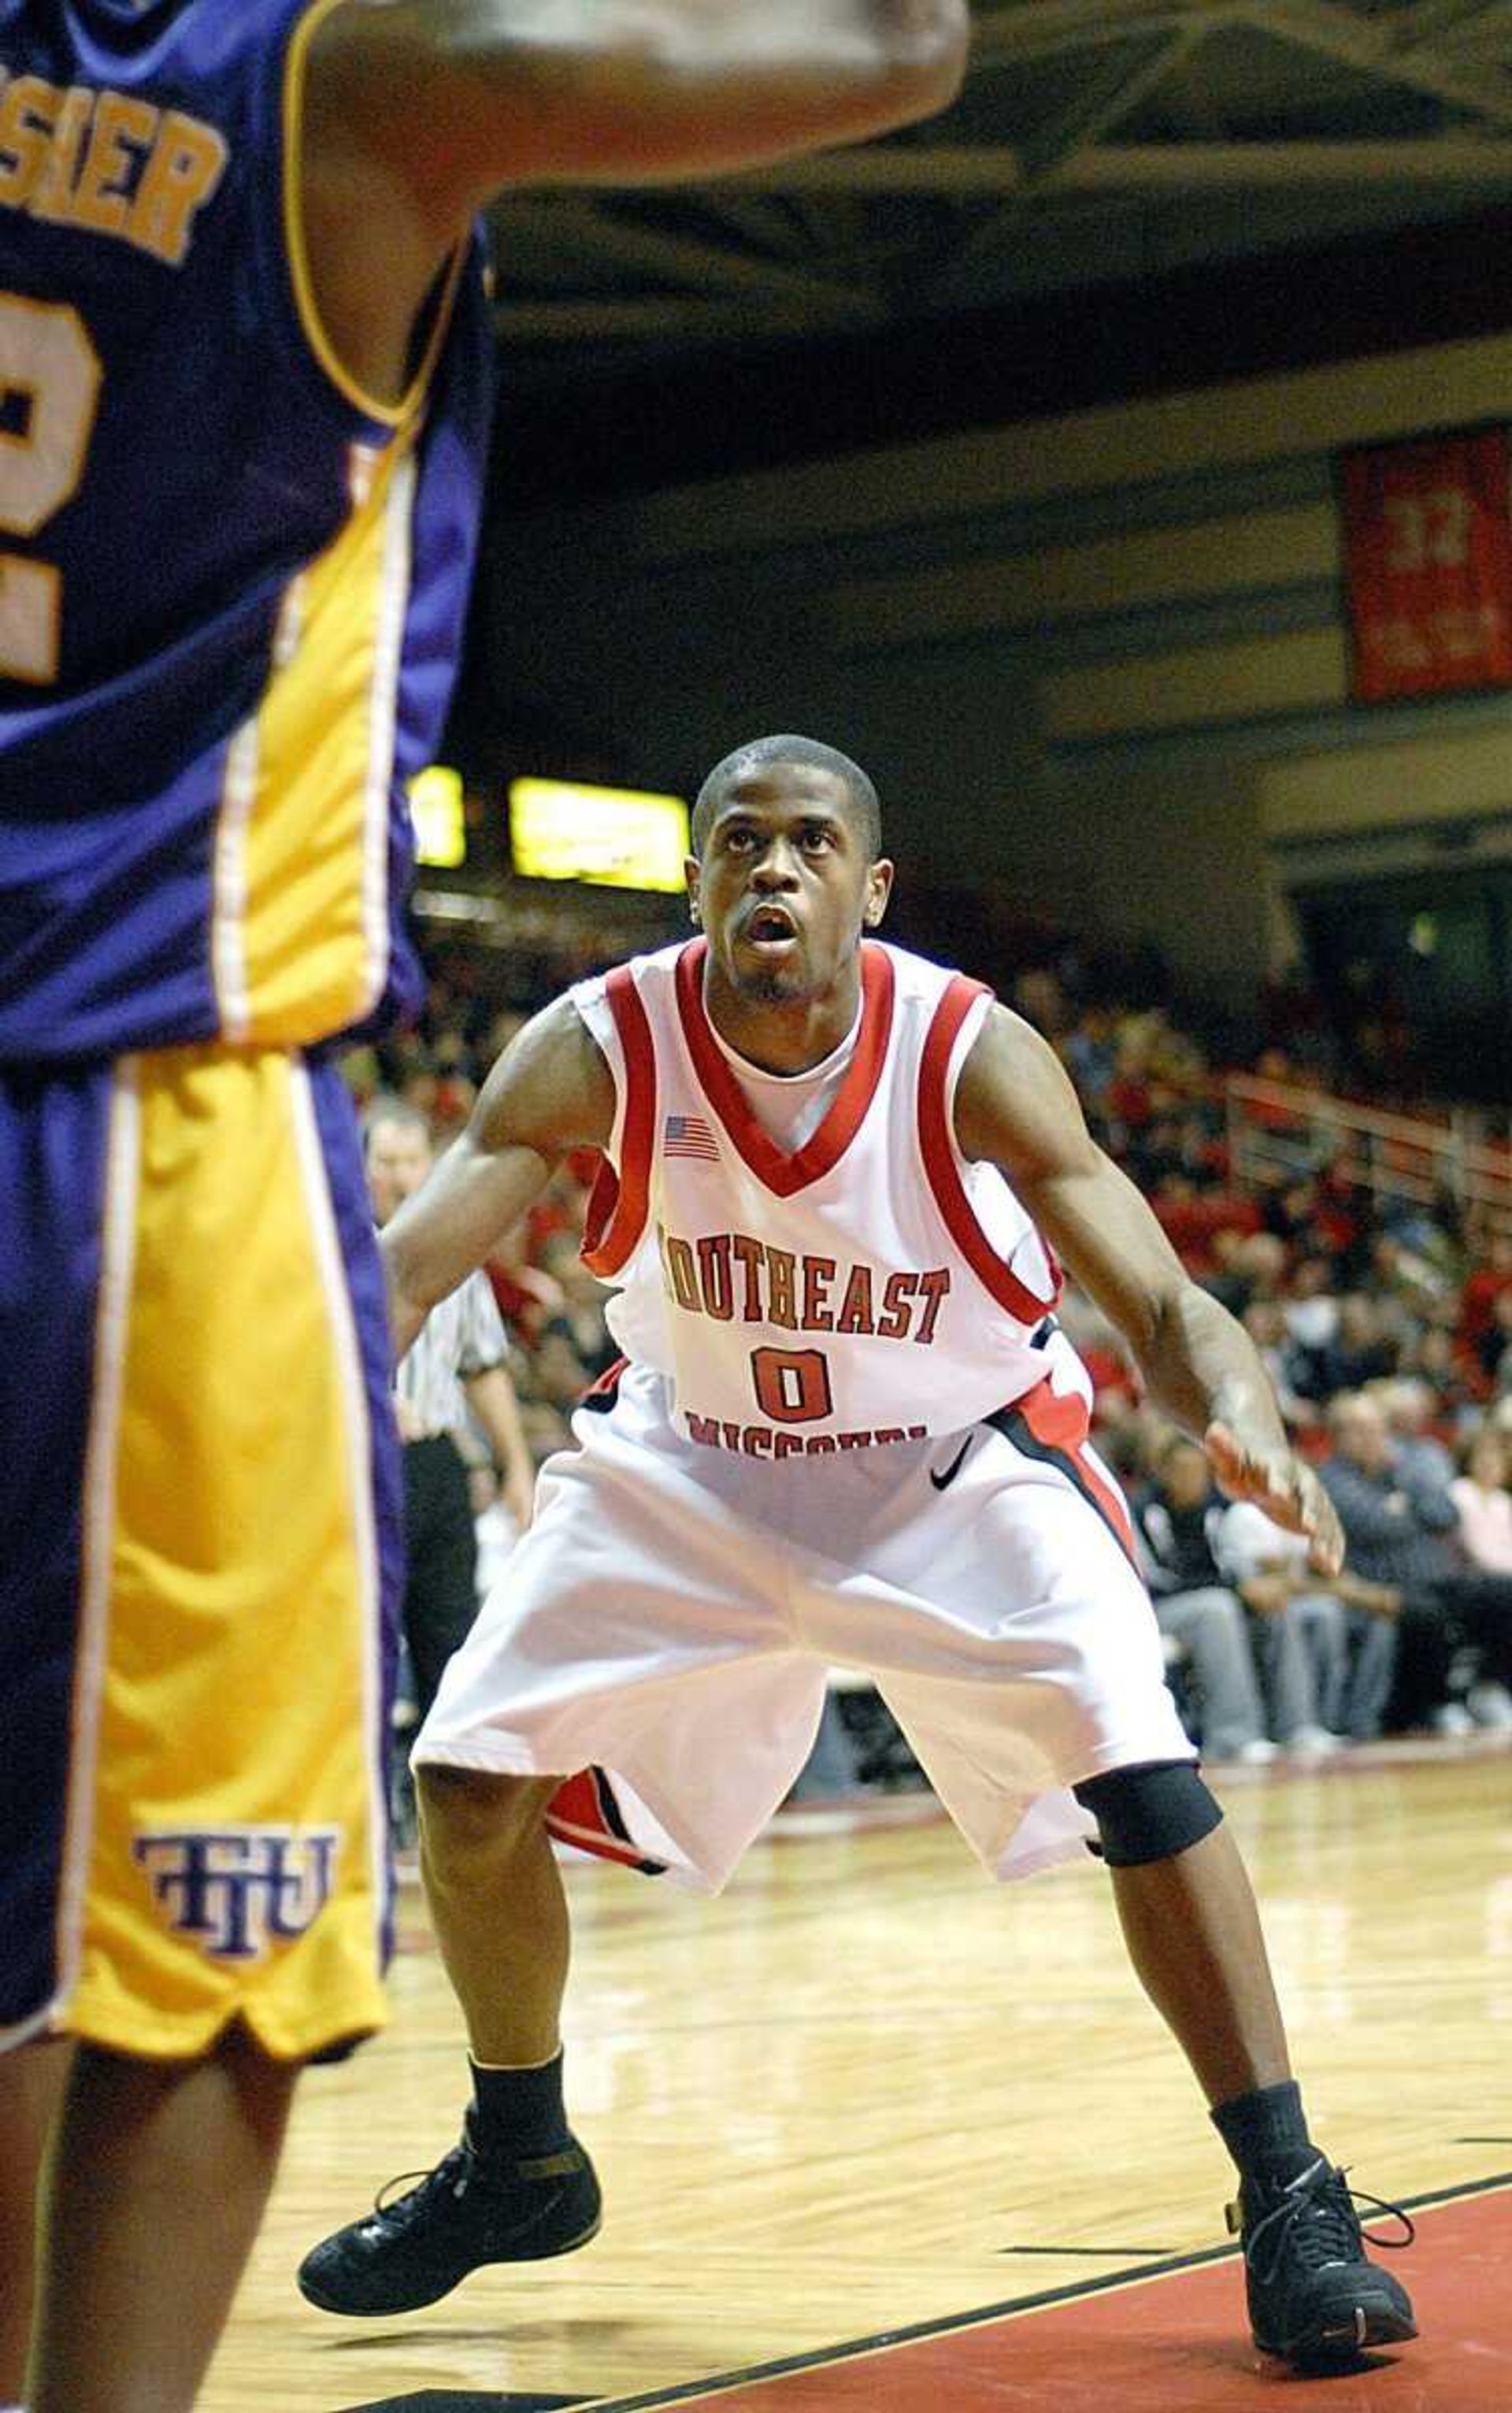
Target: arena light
[440, 823]
[615, 837]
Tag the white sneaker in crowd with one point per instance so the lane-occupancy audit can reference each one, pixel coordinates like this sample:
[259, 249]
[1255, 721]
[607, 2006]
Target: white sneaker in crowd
[1491, 1705]
[1313, 1743]
[1453, 1718]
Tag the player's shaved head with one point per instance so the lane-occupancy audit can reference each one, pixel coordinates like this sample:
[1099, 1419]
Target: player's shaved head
[750, 761]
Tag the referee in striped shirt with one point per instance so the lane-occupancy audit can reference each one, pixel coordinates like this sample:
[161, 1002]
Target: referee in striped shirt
[453, 1379]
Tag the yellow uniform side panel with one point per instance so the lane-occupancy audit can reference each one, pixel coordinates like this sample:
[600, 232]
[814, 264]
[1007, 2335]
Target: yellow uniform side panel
[303, 912]
[231, 1871]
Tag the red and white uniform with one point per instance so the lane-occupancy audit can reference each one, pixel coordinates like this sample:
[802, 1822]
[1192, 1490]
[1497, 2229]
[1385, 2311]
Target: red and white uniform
[867, 1282]
[849, 1433]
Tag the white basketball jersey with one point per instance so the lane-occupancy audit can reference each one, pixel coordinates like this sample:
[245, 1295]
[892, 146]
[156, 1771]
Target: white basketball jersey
[871, 1286]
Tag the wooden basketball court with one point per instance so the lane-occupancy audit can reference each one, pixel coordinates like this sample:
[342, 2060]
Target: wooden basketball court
[875, 2134]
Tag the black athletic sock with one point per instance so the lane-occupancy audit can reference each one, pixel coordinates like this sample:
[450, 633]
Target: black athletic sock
[518, 2111]
[1266, 2132]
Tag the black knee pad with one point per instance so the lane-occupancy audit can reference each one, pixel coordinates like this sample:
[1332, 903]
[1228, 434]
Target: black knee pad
[1149, 1813]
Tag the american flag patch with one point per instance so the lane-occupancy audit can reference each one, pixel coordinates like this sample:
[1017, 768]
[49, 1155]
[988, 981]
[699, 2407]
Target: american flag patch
[689, 1136]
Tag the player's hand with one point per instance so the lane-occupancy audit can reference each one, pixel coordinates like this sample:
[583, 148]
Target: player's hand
[1284, 1486]
[407, 1416]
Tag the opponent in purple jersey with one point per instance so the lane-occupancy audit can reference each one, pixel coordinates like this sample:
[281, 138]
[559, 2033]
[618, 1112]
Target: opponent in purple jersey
[978, 1575]
[242, 396]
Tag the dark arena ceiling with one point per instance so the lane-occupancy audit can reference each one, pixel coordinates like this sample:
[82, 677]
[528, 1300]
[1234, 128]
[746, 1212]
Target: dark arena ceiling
[1101, 148]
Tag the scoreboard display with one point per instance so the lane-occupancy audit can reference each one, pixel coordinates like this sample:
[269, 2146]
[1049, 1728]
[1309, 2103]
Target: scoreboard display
[612, 837]
[437, 810]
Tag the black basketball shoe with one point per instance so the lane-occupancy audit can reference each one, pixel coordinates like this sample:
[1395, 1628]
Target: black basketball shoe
[471, 2210]
[1315, 2298]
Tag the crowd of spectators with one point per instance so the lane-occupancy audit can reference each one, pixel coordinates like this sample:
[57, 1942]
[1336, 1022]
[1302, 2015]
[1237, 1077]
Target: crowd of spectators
[1385, 1322]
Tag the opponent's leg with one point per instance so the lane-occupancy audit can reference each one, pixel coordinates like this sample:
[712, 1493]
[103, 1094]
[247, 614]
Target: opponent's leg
[154, 2167]
[1189, 1919]
[518, 2187]
[31, 2085]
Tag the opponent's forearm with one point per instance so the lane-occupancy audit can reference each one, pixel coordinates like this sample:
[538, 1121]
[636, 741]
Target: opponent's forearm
[487, 92]
[708, 41]
[934, 27]
[1200, 1365]
[853, 33]
[821, 60]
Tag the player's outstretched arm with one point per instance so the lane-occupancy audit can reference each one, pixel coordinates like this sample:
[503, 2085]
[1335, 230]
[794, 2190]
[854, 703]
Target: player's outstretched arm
[1016, 1109]
[550, 1091]
[464, 96]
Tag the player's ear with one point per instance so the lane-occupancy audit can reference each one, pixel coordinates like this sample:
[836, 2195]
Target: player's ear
[690, 873]
[879, 889]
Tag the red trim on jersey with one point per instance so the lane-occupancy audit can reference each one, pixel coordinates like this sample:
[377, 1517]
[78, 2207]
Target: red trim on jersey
[617, 1207]
[583, 1811]
[938, 1150]
[607, 1385]
[821, 1151]
[1058, 1420]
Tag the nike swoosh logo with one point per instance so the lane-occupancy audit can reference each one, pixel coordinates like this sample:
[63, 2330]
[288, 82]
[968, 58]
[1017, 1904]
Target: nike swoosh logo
[943, 1482]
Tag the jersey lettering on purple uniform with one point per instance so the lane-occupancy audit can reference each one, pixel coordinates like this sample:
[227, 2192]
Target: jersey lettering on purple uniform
[214, 685]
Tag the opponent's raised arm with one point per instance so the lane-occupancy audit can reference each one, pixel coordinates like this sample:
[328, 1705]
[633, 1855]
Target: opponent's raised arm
[468, 96]
[550, 1091]
[1016, 1109]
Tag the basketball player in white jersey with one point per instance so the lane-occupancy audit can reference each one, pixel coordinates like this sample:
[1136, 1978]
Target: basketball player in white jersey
[837, 1181]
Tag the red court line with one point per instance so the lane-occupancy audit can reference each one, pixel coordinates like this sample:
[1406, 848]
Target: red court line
[1174, 2342]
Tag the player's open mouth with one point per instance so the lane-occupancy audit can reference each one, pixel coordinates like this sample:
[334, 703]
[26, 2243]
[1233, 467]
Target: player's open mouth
[771, 927]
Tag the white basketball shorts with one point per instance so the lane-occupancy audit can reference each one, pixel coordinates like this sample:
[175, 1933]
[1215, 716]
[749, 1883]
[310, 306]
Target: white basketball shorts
[672, 1613]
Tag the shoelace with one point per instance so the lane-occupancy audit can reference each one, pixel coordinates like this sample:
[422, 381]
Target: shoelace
[1316, 2219]
[452, 2175]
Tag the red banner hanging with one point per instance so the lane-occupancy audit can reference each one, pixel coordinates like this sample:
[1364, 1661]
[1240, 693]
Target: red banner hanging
[1428, 556]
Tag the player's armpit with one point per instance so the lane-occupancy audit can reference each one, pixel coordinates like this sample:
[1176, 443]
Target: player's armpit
[550, 1091]
[415, 111]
